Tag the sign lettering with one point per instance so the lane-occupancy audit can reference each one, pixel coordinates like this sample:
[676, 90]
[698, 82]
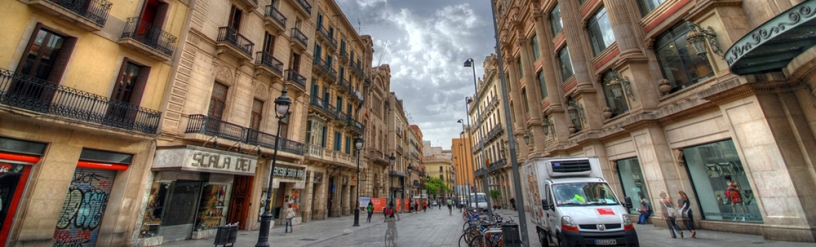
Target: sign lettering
[202, 159]
[284, 172]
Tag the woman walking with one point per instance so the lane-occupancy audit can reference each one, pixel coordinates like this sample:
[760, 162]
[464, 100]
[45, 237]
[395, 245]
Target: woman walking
[370, 210]
[685, 211]
[670, 214]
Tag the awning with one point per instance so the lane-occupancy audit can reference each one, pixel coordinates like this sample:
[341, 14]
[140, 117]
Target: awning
[772, 45]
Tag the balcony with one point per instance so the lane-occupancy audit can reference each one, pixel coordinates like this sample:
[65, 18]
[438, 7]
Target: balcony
[495, 132]
[275, 20]
[342, 85]
[342, 118]
[146, 38]
[314, 151]
[250, 4]
[305, 8]
[323, 106]
[89, 15]
[234, 44]
[294, 78]
[355, 126]
[496, 165]
[267, 64]
[324, 68]
[299, 40]
[327, 36]
[41, 96]
[356, 68]
[357, 94]
[344, 56]
[399, 149]
[201, 124]
[378, 157]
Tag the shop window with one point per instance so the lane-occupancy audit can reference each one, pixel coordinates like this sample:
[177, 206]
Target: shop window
[155, 209]
[681, 67]
[555, 21]
[600, 31]
[212, 208]
[565, 62]
[613, 92]
[633, 182]
[720, 183]
[647, 6]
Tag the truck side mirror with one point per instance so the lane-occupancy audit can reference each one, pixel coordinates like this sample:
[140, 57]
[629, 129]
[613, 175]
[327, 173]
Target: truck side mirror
[544, 204]
[627, 202]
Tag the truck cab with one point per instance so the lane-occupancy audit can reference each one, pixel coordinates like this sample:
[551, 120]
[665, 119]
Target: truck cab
[574, 205]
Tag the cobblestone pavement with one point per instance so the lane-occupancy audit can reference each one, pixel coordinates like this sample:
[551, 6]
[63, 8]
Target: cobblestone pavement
[436, 228]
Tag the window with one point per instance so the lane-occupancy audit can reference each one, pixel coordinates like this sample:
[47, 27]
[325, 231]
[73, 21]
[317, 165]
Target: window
[600, 31]
[520, 68]
[294, 61]
[534, 44]
[647, 6]
[309, 132]
[555, 20]
[324, 135]
[633, 183]
[613, 92]
[338, 141]
[720, 183]
[542, 84]
[681, 67]
[46, 55]
[526, 102]
[565, 62]
[130, 84]
[318, 52]
[257, 113]
[235, 18]
[268, 43]
[218, 101]
[348, 145]
[339, 104]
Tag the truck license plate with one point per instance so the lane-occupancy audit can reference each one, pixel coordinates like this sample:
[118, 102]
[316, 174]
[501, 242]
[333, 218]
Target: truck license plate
[606, 242]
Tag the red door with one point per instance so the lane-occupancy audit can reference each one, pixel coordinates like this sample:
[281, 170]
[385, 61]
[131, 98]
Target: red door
[239, 204]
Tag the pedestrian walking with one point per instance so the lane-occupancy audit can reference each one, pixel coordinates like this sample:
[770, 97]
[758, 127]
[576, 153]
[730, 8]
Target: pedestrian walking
[370, 210]
[685, 212]
[513, 203]
[425, 206]
[670, 214]
[290, 214]
[450, 209]
[416, 207]
[439, 203]
[645, 211]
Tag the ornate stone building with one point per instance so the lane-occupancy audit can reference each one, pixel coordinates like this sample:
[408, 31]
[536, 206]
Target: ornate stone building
[647, 87]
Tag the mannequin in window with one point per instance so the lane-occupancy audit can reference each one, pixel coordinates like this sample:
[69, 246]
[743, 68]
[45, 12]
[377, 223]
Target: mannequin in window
[736, 199]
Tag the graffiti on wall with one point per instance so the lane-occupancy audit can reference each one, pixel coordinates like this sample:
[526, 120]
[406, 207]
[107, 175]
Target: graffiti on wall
[83, 208]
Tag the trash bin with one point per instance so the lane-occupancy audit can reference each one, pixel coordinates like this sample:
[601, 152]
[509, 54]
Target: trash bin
[226, 235]
[510, 233]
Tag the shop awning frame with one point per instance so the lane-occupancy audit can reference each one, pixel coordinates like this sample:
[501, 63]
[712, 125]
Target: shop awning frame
[772, 45]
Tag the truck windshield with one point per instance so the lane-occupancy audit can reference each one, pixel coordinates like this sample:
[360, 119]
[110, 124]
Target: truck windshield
[583, 194]
[480, 196]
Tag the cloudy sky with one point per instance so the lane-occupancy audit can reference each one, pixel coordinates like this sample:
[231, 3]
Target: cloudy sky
[426, 43]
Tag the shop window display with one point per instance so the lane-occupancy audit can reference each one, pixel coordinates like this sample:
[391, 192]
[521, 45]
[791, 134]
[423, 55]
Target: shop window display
[719, 179]
[212, 211]
[634, 186]
[155, 209]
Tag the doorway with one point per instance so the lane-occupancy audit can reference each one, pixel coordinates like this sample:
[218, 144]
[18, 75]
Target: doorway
[183, 201]
[330, 201]
[239, 204]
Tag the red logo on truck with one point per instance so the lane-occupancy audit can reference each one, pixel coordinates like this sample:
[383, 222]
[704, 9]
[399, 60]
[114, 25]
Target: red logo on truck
[606, 211]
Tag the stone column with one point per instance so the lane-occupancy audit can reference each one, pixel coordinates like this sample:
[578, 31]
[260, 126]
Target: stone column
[308, 196]
[580, 65]
[644, 87]
[515, 94]
[659, 169]
[534, 97]
[550, 76]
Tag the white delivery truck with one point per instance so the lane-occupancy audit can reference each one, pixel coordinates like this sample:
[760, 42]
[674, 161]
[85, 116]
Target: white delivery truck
[572, 205]
[478, 200]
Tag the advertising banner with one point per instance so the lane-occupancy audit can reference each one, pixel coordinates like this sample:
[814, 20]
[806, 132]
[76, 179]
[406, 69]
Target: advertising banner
[364, 203]
[406, 205]
[398, 202]
[379, 204]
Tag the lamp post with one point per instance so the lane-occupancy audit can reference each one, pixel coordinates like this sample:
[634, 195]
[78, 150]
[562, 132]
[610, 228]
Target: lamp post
[282, 104]
[469, 63]
[465, 149]
[358, 144]
[391, 161]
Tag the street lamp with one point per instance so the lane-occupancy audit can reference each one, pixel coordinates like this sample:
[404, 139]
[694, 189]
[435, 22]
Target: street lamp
[469, 63]
[391, 160]
[282, 104]
[465, 165]
[358, 144]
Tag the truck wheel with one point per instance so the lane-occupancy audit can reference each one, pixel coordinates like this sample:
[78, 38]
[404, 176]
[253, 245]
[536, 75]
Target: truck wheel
[543, 238]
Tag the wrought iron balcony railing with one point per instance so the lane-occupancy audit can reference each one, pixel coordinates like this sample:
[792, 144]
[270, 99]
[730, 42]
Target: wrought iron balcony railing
[296, 78]
[326, 35]
[93, 10]
[276, 15]
[342, 117]
[300, 37]
[209, 126]
[153, 37]
[343, 54]
[305, 5]
[497, 164]
[323, 106]
[494, 132]
[343, 83]
[266, 59]
[229, 35]
[356, 126]
[33, 94]
[357, 69]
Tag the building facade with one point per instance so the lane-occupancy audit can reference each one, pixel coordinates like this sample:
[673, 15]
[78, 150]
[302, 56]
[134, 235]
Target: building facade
[442, 168]
[81, 91]
[644, 86]
[462, 164]
[377, 132]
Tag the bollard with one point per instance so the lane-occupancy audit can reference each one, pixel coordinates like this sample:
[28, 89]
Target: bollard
[510, 234]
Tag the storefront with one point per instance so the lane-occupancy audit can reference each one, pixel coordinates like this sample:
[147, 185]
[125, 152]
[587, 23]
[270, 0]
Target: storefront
[288, 183]
[203, 188]
[633, 182]
[17, 157]
[720, 183]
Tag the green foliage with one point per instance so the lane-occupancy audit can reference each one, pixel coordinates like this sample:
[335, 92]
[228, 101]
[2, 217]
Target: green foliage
[435, 186]
[495, 194]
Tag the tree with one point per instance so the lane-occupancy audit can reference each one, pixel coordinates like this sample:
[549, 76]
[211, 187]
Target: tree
[495, 195]
[435, 186]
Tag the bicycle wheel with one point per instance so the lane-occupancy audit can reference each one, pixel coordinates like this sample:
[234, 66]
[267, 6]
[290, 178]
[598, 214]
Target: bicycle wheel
[390, 238]
[462, 239]
[476, 241]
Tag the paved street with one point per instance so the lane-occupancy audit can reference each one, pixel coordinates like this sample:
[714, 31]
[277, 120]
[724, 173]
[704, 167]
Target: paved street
[437, 228]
